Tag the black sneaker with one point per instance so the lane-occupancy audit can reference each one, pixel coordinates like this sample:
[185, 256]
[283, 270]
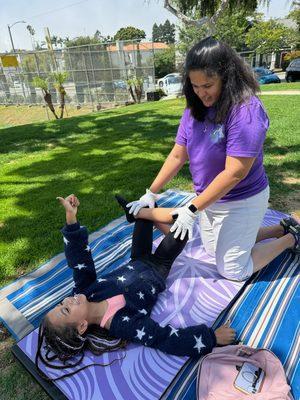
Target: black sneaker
[123, 203]
[290, 225]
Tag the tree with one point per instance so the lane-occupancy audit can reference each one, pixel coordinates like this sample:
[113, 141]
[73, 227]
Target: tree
[231, 27]
[80, 41]
[295, 14]
[164, 32]
[135, 88]
[270, 36]
[58, 78]
[155, 33]
[168, 32]
[207, 12]
[164, 62]
[102, 39]
[130, 33]
[43, 84]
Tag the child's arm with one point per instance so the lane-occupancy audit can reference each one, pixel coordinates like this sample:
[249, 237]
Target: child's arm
[71, 204]
[77, 250]
[193, 341]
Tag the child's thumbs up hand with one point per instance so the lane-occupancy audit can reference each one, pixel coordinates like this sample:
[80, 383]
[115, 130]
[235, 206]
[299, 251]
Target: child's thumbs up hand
[70, 203]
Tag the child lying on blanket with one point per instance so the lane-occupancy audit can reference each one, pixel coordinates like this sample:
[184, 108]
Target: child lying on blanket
[102, 315]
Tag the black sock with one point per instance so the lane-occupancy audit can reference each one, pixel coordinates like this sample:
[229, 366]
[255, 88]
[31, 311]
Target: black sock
[123, 203]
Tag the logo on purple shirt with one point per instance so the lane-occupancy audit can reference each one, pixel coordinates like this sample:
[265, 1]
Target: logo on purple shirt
[217, 135]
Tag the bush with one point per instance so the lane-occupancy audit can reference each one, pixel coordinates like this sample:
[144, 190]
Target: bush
[164, 62]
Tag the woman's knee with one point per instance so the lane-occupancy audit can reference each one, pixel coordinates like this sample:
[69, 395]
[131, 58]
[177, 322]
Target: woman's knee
[234, 270]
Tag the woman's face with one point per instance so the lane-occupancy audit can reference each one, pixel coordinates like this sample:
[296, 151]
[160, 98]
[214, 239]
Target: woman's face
[207, 88]
[71, 311]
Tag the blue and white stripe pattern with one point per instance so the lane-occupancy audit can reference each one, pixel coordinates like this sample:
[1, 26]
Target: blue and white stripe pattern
[265, 315]
[38, 292]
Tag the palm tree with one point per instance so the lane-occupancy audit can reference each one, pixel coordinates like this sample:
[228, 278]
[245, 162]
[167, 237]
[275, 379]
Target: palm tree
[60, 78]
[43, 84]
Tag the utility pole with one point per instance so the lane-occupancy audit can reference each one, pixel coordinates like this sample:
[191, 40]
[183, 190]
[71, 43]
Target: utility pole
[10, 35]
[14, 50]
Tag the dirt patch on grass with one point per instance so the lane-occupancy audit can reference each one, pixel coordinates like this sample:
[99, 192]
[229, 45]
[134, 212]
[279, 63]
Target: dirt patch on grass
[6, 341]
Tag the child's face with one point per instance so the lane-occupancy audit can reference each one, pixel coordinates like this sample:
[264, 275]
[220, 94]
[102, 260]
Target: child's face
[71, 311]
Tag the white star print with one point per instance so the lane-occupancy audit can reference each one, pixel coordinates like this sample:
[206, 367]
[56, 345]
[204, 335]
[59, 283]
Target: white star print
[130, 267]
[125, 319]
[150, 337]
[92, 295]
[121, 278]
[174, 331]
[153, 291]
[141, 295]
[199, 344]
[87, 248]
[140, 333]
[66, 241]
[101, 280]
[143, 311]
[80, 266]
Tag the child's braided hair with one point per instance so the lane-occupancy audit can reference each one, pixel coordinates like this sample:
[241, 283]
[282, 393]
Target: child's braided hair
[64, 343]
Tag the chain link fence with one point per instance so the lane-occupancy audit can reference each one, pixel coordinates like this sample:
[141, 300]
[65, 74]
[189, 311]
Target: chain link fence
[97, 74]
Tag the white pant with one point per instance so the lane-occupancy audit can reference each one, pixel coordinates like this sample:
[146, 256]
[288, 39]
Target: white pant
[228, 232]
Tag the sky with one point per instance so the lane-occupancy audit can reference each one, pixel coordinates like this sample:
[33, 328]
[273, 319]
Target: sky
[83, 17]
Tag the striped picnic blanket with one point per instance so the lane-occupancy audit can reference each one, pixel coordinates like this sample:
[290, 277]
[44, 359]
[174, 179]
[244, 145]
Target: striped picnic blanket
[195, 294]
[266, 314]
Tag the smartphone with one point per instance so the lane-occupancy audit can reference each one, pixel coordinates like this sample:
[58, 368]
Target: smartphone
[249, 379]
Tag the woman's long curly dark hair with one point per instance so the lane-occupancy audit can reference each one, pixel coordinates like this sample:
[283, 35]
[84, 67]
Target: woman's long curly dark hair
[217, 58]
[57, 346]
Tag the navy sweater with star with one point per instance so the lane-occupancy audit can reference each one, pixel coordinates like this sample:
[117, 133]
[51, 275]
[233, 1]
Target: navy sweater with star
[140, 285]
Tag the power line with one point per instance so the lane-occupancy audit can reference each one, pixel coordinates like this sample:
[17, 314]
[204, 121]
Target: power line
[57, 9]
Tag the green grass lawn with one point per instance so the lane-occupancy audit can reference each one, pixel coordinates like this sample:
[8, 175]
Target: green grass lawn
[12, 115]
[97, 156]
[280, 86]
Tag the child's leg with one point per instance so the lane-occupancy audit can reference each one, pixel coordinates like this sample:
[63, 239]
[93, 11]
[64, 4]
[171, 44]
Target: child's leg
[164, 228]
[157, 214]
[166, 253]
[142, 239]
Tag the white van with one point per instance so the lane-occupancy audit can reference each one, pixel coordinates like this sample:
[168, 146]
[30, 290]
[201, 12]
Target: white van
[171, 84]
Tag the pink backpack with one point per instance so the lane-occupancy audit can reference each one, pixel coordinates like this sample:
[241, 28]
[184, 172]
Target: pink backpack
[241, 372]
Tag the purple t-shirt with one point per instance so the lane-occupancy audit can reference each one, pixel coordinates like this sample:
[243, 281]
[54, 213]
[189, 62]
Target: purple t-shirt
[208, 144]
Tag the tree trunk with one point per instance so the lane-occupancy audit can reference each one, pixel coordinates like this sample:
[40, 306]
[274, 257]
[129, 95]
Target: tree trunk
[132, 94]
[48, 100]
[62, 94]
[138, 92]
[209, 21]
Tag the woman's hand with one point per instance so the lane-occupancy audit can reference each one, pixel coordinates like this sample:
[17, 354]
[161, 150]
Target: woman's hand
[147, 200]
[184, 222]
[225, 335]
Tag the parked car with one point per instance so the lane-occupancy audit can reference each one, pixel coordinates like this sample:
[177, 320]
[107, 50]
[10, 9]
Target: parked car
[292, 73]
[171, 84]
[265, 76]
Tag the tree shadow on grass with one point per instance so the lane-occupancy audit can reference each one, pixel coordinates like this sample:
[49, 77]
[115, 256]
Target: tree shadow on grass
[94, 156]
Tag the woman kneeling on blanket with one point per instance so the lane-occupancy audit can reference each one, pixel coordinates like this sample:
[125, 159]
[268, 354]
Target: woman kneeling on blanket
[103, 314]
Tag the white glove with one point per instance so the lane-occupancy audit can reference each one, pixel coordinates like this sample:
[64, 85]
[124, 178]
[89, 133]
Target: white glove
[147, 200]
[184, 222]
